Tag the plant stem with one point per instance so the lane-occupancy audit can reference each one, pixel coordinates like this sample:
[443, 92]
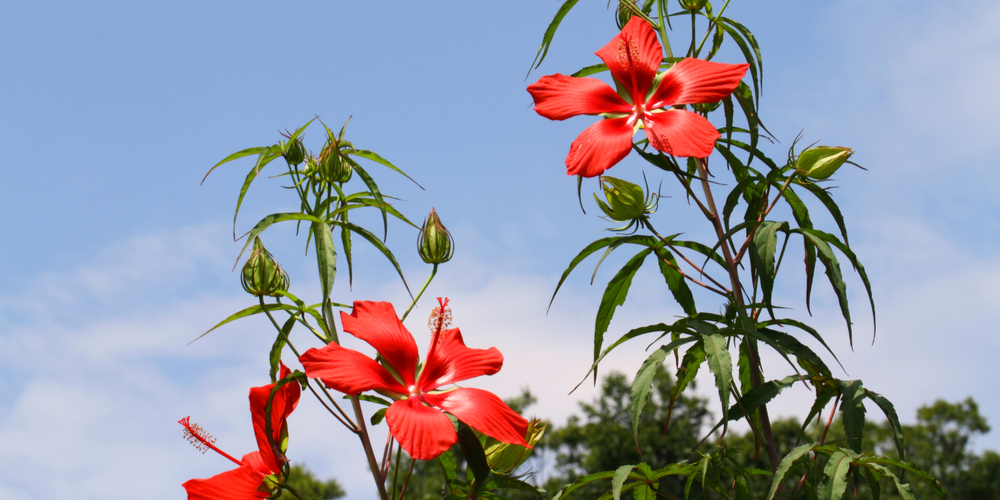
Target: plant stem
[731, 264]
[662, 7]
[428, 282]
[367, 444]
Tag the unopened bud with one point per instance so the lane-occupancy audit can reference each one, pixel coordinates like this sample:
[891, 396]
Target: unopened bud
[693, 5]
[624, 12]
[261, 274]
[333, 167]
[821, 162]
[295, 152]
[626, 201]
[503, 458]
[435, 244]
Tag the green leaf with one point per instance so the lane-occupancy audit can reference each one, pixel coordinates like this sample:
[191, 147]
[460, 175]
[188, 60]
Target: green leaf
[580, 482]
[735, 30]
[867, 460]
[760, 395]
[266, 222]
[635, 332]
[831, 239]
[448, 465]
[549, 33]
[824, 393]
[721, 365]
[835, 483]
[237, 155]
[591, 70]
[690, 363]
[829, 260]
[852, 411]
[475, 457]
[254, 309]
[614, 296]
[785, 343]
[378, 244]
[890, 414]
[345, 240]
[621, 474]
[641, 385]
[831, 206]
[279, 344]
[326, 257]
[378, 416]
[373, 187]
[806, 328]
[364, 153]
[675, 280]
[743, 96]
[590, 249]
[785, 466]
[765, 245]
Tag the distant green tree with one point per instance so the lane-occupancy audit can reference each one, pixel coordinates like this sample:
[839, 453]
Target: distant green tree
[601, 439]
[309, 487]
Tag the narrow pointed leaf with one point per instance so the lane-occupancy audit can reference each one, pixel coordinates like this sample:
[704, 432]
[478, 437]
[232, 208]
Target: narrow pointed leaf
[382, 161]
[890, 414]
[675, 280]
[785, 465]
[326, 257]
[549, 33]
[835, 483]
[250, 311]
[852, 412]
[614, 296]
[721, 365]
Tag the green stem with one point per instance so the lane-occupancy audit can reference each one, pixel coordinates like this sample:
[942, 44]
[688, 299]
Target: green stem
[275, 323]
[428, 282]
[693, 27]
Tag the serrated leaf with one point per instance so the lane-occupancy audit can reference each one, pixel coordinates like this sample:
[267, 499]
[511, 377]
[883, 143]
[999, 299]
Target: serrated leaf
[760, 395]
[721, 364]
[835, 482]
[765, 245]
[590, 249]
[890, 414]
[785, 465]
[852, 411]
[907, 466]
[614, 296]
[254, 309]
[829, 260]
[839, 245]
[326, 257]
[641, 385]
[675, 280]
[621, 474]
[274, 356]
[635, 332]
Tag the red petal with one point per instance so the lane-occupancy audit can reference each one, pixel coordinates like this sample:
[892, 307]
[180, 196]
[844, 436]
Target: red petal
[558, 97]
[453, 362]
[422, 431]
[348, 371]
[240, 483]
[282, 406]
[599, 147]
[484, 412]
[633, 57]
[680, 133]
[692, 81]
[377, 324]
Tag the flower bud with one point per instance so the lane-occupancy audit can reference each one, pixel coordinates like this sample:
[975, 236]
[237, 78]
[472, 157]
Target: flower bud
[693, 5]
[706, 107]
[626, 201]
[295, 152]
[503, 458]
[261, 274]
[333, 167]
[623, 13]
[821, 162]
[435, 244]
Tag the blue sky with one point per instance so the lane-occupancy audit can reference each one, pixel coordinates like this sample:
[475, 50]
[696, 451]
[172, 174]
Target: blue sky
[115, 257]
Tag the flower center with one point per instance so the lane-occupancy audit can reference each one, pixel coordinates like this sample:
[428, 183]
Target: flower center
[628, 51]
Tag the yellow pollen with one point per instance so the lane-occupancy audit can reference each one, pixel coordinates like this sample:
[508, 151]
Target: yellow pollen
[628, 52]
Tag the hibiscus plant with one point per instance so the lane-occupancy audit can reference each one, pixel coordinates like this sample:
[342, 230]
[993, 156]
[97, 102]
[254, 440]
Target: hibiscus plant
[690, 109]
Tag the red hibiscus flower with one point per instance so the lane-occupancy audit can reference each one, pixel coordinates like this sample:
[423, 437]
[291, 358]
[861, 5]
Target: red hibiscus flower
[423, 431]
[646, 101]
[250, 479]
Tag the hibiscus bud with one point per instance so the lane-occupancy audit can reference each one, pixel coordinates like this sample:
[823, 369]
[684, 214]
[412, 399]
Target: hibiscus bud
[503, 458]
[626, 201]
[435, 244]
[693, 5]
[333, 167]
[295, 152]
[624, 12]
[261, 274]
[821, 162]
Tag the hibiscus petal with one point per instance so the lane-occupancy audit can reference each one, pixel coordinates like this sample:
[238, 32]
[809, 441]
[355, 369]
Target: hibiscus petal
[377, 324]
[240, 483]
[453, 362]
[283, 404]
[599, 147]
[680, 133]
[633, 57]
[348, 371]
[484, 412]
[422, 431]
[558, 97]
[692, 81]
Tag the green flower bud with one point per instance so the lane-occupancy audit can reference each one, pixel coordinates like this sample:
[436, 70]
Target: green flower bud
[295, 152]
[261, 274]
[623, 13]
[435, 244]
[333, 167]
[706, 107]
[626, 201]
[821, 162]
[502, 457]
[694, 5]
